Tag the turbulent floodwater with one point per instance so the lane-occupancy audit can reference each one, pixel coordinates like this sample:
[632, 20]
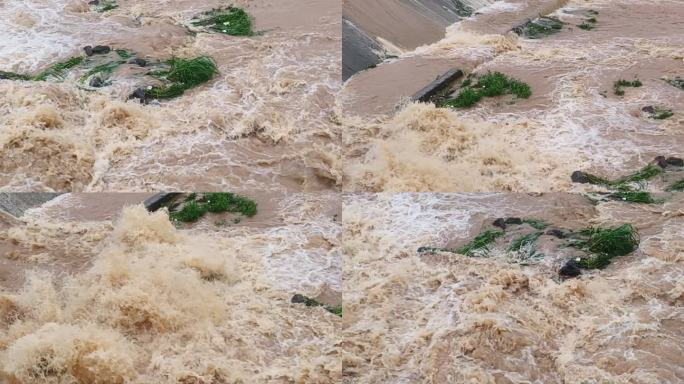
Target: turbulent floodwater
[114, 295]
[448, 318]
[267, 120]
[572, 121]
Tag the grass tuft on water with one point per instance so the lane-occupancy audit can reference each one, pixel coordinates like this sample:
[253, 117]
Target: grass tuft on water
[524, 242]
[620, 84]
[490, 85]
[182, 75]
[539, 27]
[677, 186]
[57, 70]
[480, 243]
[677, 82]
[215, 202]
[623, 183]
[309, 302]
[536, 224]
[605, 243]
[633, 197]
[13, 76]
[661, 113]
[106, 5]
[230, 21]
[105, 69]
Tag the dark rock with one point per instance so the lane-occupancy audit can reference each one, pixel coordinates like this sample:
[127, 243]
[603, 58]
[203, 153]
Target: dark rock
[514, 220]
[570, 269]
[101, 49]
[501, 223]
[94, 2]
[138, 61]
[139, 94]
[660, 161]
[648, 109]
[556, 232]
[676, 161]
[579, 177]
[88, 50]
[298, 299]
[96, 82]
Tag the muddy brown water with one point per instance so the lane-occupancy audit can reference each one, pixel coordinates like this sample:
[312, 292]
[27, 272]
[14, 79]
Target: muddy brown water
[440, 318]
[573, 121]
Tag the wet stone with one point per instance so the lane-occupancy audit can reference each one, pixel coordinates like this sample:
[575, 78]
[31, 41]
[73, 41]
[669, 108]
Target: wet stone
[514, 220]
[298, 299]
[661, 161]
[579, 177]
[96, 82]
[138, 61]
[94, 2]
[101, 49]
[500, 222]
[556, 233]
[676, 161]
[88, 50]
[570, 269]
[649, 109]
[139, 94]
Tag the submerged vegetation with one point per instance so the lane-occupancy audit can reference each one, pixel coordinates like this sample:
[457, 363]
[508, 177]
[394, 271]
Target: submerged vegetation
[523, 242]
[231, 21]
[677, 82]
[590, 22]
[104, 5]
[176, 75]
[539, 27]
[57, 70]
[182, 75]
[215, 202]
[633, 197]
[623, 183]
[677, 186]
[489, 85]
[604, 244]
[309, 302]
[659, 113]
[620, 84]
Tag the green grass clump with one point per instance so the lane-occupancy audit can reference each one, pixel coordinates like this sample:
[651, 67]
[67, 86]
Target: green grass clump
[490, 85]
[215, 202]
[229, 202]
[106, 5]
[57, 70]
[620, 84]
[586, 26]
[182, 75]
[524, 242]
[539, 27]
[231, 21]
[677, 186]
[648, 172]
[124, 54]
[105, 69]
[536, 224]
[479, 243]
[623, 183]
[676, 82]
[13, 76]
[661, 113]
[633, 197]
[606, 243]
[192, 211]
